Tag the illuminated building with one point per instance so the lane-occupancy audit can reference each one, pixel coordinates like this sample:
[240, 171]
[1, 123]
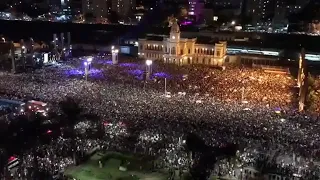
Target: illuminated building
[265, 10]
[195, 8]
[98, 8]
[123, 7]
[66, 9]
[226, 3]
[181, 51]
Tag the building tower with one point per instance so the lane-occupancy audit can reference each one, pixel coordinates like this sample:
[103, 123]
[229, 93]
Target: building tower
[173, 42]
[123, 7]
[98, 8]
[302, 80]
[220, 51]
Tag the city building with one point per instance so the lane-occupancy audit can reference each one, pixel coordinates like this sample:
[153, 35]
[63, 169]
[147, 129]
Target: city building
[98, 8]
[65, 7]
[260, 10]
[56, 3]
[181, 51]
[123, 7]
[226, 3]
[280, 21]
[195, 9]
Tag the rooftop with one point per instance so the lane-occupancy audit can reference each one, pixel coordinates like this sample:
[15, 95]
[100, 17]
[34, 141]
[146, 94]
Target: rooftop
[154, 38]
[206, 40]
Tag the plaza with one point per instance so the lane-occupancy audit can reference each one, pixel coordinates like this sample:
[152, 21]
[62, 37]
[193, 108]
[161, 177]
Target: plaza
[115, 166]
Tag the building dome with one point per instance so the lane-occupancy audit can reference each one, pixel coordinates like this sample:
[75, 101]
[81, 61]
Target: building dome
[175, 27]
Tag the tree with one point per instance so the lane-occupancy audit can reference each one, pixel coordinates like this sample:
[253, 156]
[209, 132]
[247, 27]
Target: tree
[312, 98]
[113, 17]
[89, 17]
[311, 81]
[71, 111]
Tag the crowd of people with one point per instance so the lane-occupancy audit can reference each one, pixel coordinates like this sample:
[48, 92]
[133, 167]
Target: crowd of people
[244, 106]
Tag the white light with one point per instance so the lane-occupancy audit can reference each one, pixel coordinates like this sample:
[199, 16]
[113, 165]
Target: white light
[4, 40]
[23, 47]
[148, 62]
[89, 59]
[173, 37]
[233, 22]
[112, 47]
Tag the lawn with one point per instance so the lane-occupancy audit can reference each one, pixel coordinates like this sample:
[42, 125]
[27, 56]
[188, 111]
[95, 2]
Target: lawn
[137, 168]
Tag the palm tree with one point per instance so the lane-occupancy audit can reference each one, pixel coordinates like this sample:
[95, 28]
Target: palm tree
[71, 111]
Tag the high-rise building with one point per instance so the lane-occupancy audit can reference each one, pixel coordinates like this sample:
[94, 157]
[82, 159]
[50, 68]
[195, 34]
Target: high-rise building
[98, 8]
[54, 2]
[66, 7]
[195, 8]
[123, 7]
[261, 10]
[280, 12]
[226, 3]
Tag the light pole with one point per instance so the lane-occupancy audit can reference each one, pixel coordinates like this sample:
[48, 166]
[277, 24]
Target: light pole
[114, 55]
[13, 62]
[22, 56]
[242, 95]
[86, 71]
[148, 69]
[165, 86]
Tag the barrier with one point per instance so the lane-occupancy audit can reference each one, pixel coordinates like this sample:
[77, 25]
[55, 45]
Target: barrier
[273, 69]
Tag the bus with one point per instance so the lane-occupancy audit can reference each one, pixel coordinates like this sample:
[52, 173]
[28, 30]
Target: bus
[15, 106]
[38, 107]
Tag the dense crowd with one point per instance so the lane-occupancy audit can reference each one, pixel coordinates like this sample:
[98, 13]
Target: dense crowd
[239, 105]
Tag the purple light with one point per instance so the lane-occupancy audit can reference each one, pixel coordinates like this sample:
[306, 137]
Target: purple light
[186, 23]
[74, 72]
[161, 75]
[277, 109]
[103, 61]
[94, 73]
[137, 73]
[128, 64]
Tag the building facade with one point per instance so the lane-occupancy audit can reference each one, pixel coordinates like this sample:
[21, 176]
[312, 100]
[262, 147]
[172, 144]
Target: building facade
[182, 51]
[123, 7]
[195, 9]
[98, 8]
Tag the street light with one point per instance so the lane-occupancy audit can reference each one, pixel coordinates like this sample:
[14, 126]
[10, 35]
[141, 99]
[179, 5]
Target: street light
[148, 68]
[3, 39]
[114, 55]
[148, 62]
[23, 56]
[89, 60]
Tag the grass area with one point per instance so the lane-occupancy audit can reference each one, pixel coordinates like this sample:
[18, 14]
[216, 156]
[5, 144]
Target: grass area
[136, 168]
